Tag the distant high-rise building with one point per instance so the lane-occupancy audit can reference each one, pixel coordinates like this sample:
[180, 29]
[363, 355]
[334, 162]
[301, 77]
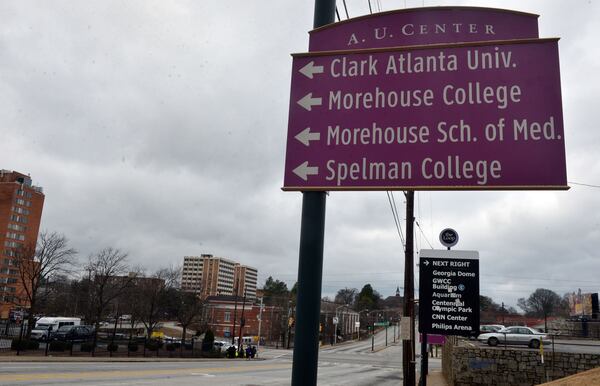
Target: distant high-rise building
[21, 205]
[208, 275]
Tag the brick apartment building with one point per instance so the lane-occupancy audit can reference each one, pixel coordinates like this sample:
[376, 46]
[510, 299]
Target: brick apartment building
[21, 205]
[220, 312]
[207, 275]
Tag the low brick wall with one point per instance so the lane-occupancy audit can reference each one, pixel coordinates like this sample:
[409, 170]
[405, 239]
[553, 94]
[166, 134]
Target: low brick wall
[510, 367]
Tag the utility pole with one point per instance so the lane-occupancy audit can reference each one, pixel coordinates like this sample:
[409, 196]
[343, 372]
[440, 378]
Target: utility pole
[408, 360]
[259, 322]
[242, 321]
[235, 292]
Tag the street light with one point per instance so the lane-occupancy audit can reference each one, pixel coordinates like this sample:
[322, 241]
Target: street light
[335, 324]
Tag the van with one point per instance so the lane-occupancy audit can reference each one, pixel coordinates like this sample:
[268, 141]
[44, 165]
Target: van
[46, 325]
[246, 340]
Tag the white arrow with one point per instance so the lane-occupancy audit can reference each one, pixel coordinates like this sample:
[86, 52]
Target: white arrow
[310, 69]
[305, 136]
[426, 262]
[308, 101]
[303, 171]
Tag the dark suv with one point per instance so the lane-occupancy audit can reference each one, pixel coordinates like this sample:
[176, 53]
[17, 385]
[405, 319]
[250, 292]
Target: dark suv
[73, 333]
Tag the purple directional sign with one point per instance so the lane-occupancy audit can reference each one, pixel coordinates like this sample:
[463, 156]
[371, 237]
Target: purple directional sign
[471, 116]
[425, 25]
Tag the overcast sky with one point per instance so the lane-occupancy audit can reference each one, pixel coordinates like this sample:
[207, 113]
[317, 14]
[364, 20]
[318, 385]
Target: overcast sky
[159, 128]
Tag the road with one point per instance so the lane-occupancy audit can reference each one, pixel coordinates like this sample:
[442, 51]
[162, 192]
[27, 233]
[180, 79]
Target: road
[350, 363]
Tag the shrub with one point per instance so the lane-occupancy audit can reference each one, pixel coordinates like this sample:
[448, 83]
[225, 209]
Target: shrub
[171, 346]
[87, 346]
[208, 341]
[112, 347]
[153, 344]
[132, 346]
[24, 344]
[57, 345]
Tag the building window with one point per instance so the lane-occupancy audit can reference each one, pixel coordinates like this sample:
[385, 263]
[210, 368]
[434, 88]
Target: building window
[16, 227]
[227, 316]
[19, 210]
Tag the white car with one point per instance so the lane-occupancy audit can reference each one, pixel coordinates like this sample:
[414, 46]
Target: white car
[514, 335]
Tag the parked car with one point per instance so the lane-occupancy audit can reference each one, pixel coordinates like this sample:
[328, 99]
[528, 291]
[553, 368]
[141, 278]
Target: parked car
[490, 328]
[485, 328]
[514, 335]
[73, 333]
[45, 326]
[222, 345]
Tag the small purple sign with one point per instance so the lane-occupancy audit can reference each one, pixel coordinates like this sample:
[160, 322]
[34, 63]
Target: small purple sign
[433, 339]
[421, 26]
[472, 116]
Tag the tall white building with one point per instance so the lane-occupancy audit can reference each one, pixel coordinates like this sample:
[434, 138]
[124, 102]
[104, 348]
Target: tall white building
[208, 275]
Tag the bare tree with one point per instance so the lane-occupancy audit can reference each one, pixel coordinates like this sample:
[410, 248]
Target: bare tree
[346, 296]
[187, 309]
[39, 267]
[108, 279]
[153, 296]
[542, 302]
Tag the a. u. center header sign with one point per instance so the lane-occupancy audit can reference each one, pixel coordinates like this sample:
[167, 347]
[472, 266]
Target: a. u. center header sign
[465, 98]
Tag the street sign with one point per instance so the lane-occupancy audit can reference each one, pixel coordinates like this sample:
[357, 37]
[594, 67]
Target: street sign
[468, 116]
[382, 324]
[448, 292]
[448, 237]
[433, 339]
[424, 25]
[405, 328]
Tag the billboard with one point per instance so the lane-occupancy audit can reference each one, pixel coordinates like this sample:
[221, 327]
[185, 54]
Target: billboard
[583, 304]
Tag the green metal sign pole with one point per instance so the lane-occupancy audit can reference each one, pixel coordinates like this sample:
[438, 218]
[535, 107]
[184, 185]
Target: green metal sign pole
[310, 266]
[310, 272]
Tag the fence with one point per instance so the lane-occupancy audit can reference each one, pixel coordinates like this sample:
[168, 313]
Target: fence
[13, 342]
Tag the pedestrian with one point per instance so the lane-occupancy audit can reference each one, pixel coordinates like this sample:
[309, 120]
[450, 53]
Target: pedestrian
[248, 352]
[253, 352]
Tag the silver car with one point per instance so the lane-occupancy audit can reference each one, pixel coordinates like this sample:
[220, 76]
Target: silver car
[514, 335]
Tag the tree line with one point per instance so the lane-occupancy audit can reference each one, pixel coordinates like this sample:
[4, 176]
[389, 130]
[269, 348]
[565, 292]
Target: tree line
[105, 287]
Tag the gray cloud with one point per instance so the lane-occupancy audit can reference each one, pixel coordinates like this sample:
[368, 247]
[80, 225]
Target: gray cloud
[160, 128]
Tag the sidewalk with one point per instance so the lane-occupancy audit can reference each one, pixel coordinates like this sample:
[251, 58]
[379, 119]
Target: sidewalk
[434, 378]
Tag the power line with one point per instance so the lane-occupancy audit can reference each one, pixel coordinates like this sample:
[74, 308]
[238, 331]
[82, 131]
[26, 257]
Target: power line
[582, 184]
[370, 10]
[396, 219]
[346, 8]
[423, 233]
[337, 13]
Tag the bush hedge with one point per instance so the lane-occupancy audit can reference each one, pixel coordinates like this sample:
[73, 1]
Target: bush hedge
[153, 344]
[24, 344]
[57, 345]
